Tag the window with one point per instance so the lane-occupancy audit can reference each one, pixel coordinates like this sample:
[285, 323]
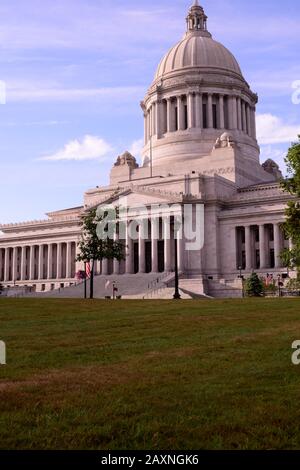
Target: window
[185, 116]
[204, 108]
[215, 119]
[272, 259]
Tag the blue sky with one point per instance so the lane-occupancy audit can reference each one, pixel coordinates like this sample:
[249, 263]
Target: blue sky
[76, 71]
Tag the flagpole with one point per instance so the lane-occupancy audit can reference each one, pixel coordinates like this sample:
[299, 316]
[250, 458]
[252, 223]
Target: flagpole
[85, 280]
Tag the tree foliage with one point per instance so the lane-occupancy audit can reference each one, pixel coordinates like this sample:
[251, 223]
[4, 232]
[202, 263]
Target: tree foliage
[254, 286]
[91, 248]
[291, 257]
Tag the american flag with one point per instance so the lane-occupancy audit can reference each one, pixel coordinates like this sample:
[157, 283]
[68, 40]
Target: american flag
[88, 269]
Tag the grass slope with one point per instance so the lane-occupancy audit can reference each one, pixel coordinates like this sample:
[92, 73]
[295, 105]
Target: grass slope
[149, 375]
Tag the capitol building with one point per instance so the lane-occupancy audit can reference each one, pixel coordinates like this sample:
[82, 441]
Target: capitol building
[200, 147]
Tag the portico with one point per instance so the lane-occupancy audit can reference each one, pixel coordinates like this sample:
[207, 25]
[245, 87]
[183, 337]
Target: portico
[38, 262]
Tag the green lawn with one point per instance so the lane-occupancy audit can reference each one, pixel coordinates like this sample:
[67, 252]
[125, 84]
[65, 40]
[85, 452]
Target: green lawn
[149, 375]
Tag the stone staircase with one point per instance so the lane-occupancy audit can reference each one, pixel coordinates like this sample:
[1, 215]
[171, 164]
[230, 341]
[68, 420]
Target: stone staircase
[223, 289]
[129, 286]
[189, 288]
[150, 286]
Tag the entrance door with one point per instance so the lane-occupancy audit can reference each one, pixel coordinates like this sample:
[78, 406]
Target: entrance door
[136, 257]
[161, 255]
[148, 260]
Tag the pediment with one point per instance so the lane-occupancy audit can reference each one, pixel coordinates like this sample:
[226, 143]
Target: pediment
[141, 197]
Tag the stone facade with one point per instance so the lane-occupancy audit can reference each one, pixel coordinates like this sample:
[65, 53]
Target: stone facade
[199, 147]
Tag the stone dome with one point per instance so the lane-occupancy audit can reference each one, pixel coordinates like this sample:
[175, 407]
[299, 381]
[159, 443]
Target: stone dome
[198, 102]
[198, 50]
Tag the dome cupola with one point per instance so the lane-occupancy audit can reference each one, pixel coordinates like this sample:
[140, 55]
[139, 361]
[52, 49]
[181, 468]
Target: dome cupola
[197, 20]
[197, 95]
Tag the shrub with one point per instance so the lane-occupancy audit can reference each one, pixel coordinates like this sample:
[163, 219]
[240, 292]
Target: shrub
[254, 286]
[293, 284]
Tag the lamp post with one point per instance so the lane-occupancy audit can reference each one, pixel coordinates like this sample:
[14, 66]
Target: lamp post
[176, 295]
[85, 290]
[279, 285]
[114, 289]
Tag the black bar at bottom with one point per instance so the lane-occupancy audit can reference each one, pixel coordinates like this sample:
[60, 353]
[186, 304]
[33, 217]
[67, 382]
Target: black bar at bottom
[139, 459]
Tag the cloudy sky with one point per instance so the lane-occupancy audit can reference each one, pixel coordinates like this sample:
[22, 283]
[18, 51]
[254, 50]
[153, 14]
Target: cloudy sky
[76, 70]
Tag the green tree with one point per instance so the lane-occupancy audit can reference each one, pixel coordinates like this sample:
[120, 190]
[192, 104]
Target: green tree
[92, 249]
[254, 286]
[291, 257]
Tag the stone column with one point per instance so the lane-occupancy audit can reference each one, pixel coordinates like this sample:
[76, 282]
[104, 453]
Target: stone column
[41, 262]
[248, 120]
[154, 242]
[1, 264]
[244, 116]
[23, 264]
[2, 254]
[150, 122]
[154, 106]
[234, 113]
[6, 265]
[210, 123]
[104, 267]
[180, 113]
[158, 116]
[221, 112]
[14, 263]
[145, 129]
[116, 263]
[169, 116]
[69, 260]
[191, 114]
[262, 247]
[148, 125]
[239, 114]
[32, 263]
[59, 260]
[129, 252]
[248, 246]
[50, 261]
[167, 243]
[277, 245]
[142, 263]
[198, 111]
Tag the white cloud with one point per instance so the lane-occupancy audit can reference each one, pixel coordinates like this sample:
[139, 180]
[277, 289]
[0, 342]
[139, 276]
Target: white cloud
[272, 130]
[136, 147]
[89, 148]
[276, 153]
[40, 94]
[269, 151]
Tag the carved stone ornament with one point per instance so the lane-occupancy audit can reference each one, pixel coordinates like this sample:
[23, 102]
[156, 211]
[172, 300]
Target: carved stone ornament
[126, 159]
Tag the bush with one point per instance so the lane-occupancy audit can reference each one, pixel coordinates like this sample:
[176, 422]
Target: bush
[254, 286]
[293, 284]
[270, 288]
